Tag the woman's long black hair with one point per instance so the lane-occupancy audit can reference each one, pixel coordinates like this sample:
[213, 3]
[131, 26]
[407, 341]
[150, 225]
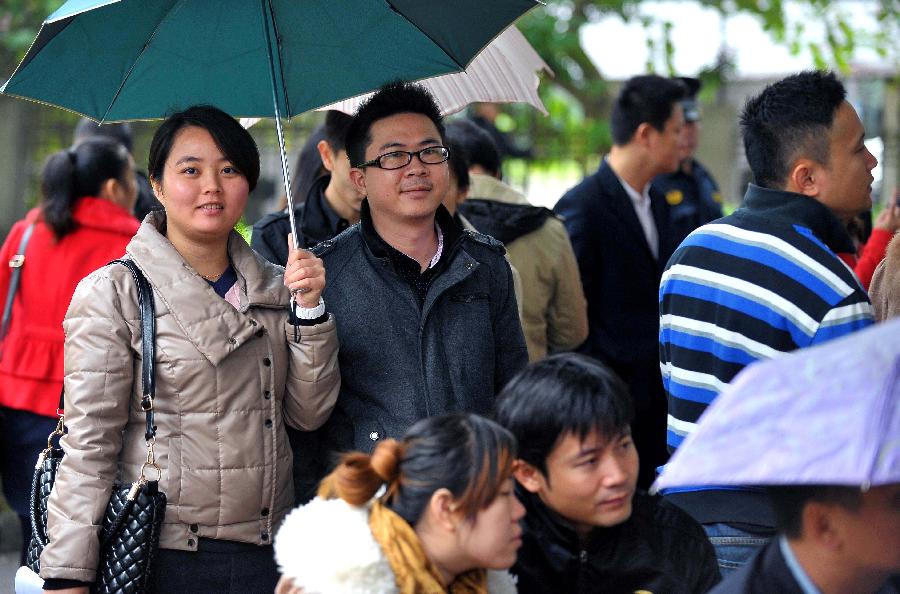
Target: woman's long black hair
[76, 172]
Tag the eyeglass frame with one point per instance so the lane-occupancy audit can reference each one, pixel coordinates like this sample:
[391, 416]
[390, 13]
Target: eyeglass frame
[376, 162]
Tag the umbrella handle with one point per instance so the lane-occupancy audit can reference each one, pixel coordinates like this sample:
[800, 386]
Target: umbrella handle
[267, 18]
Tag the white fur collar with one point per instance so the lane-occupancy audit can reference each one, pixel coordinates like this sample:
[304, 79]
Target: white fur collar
[327, 547]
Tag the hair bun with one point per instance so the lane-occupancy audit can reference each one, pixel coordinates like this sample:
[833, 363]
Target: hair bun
[386, 459]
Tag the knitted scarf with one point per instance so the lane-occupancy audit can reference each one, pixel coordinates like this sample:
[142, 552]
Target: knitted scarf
[414, 572]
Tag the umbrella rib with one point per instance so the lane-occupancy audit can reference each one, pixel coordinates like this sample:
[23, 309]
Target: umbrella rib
[432, 39]
[134, 64]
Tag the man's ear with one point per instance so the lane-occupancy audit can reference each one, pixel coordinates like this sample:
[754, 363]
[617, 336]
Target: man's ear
[326, 155]
[443, 510]
[819, 525]
[358, 178]
[642, 134]
[529, 477]
[804, 178]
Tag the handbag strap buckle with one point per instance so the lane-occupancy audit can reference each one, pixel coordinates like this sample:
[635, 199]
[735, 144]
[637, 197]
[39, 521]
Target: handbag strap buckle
[17, 261]
[60, 430]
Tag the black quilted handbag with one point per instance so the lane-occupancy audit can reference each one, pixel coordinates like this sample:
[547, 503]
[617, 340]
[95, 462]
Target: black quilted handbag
[129, 538]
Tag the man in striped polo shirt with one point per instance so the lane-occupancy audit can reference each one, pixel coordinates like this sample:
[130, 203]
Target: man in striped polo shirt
[765, 280]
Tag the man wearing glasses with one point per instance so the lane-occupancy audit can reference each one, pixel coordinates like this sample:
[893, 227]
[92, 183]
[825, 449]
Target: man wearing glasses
[428, 317]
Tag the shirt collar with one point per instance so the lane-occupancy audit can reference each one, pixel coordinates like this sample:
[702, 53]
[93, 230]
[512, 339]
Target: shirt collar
[795, 568]
[641, 199]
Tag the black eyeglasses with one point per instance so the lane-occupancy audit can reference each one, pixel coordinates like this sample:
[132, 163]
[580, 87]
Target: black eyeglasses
[397, 159]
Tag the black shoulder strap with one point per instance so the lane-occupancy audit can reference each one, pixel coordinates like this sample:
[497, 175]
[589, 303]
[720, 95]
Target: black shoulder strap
[148, 340]
[15, 263]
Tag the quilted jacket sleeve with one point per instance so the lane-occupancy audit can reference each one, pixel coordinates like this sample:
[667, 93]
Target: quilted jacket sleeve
[98, 385]
[313, 379]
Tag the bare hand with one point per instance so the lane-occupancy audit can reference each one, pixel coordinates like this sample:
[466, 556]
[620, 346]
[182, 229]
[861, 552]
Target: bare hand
[78, 590]
[304, 275]
[889, 218]
[286, 586]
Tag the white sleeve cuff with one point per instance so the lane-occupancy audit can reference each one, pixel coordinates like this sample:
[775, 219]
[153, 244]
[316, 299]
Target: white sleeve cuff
[309, 313]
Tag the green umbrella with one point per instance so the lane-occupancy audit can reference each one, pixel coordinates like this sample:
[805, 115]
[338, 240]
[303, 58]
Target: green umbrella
[143, 59]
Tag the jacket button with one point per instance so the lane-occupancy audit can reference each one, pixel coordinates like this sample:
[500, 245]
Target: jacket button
[260, 333]
[469, 266]
[373, 436]
[264, 536]
[232, 340]
[190, 542]
[268, 423]
[253, 322]
[267, 362]
[265, 511]
[267, 394]
[194, 528]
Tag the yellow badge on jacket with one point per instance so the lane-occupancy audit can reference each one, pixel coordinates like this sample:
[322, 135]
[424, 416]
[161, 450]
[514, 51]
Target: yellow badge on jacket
[674, 197]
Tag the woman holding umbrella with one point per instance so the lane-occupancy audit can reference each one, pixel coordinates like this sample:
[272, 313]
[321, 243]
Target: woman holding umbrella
[233, 363]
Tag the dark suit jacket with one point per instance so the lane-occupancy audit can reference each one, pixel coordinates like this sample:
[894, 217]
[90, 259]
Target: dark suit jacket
[620, 275]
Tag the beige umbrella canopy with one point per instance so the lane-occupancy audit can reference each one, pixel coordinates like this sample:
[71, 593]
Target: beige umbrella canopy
[506, 71]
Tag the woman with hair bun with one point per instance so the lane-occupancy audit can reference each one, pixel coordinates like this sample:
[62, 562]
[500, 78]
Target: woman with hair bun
[427, 514]
[82, 222]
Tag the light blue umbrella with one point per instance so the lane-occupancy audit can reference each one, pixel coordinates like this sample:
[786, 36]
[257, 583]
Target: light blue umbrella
[143, 59]
[823, 415]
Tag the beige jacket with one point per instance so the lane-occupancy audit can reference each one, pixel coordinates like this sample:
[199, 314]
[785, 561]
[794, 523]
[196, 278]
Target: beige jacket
[885, 288]
[227, 382]
[554, 309]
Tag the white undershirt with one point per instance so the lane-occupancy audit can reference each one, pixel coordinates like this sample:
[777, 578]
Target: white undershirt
[641, 203]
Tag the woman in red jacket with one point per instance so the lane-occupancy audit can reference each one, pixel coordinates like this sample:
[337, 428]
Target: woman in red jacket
[84, 220]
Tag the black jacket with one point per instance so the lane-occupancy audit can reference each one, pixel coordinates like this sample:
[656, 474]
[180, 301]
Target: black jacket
[659, 549]
[316, 222]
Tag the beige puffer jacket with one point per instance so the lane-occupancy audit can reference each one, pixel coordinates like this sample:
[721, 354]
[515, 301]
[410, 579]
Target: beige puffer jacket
[227, 381]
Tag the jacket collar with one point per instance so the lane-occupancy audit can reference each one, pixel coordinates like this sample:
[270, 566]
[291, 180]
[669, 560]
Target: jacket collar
[213, 325]
[99, 213]
[796, 209]
[379, 248]
[318, 221]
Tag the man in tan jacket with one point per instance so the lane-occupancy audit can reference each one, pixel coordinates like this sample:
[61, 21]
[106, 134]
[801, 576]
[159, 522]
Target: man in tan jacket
[554, 310]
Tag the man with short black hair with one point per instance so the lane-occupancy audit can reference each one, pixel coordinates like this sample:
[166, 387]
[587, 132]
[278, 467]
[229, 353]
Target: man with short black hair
[331, 205]
[620, 230]
[833, 539]
[586, 528]
[554, 311]
[429, 323]
[766, 279]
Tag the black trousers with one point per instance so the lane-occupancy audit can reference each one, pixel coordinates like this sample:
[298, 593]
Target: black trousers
[217, 567]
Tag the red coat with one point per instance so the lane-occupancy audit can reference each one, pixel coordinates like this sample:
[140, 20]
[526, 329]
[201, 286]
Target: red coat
[870, 255]
[31, 370]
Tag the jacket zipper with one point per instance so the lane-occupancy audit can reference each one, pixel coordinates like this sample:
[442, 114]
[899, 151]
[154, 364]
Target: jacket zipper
[582, 570]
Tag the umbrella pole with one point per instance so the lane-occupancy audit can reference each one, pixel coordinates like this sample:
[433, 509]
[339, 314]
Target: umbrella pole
[285, 169]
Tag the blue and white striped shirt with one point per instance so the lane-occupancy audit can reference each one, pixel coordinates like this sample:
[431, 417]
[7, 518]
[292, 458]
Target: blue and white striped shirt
[762, 281]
